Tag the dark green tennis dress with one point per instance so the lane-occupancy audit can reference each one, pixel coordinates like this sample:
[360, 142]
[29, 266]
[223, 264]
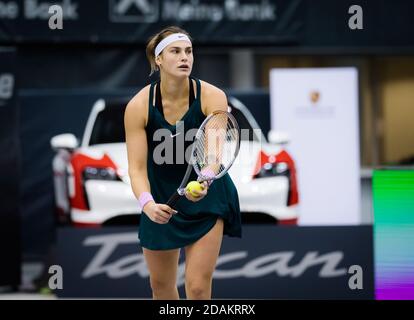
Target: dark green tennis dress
[194, 219]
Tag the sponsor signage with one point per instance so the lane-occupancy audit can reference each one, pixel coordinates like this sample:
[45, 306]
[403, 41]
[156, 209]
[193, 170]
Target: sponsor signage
[305, 23]
[134, 21]
[268, 262]
[318, 108]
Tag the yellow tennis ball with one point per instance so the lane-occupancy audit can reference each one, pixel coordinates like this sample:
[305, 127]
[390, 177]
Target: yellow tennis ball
[194, 186]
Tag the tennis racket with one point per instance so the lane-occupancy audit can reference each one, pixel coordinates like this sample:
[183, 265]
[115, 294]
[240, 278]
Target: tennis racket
[215, 147]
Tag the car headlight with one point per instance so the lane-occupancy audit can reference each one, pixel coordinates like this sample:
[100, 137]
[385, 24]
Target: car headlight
[273, 170]
[92, 173]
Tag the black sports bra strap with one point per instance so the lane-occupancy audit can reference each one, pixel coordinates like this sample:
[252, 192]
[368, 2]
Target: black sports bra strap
[151, 95]
[198, 87]
[158, 100]
[192, 96]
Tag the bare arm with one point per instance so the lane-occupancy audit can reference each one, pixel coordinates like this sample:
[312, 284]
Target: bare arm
[212, 99]
[137, 149]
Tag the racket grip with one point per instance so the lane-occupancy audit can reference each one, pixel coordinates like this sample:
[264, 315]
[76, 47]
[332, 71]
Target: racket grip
[173, 200]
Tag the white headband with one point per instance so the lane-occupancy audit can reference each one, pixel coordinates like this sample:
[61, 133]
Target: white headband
[168, 40]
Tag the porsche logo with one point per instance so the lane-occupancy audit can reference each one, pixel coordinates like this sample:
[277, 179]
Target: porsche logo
[315, 96]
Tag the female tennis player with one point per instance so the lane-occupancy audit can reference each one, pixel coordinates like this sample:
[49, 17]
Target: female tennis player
[175, 104]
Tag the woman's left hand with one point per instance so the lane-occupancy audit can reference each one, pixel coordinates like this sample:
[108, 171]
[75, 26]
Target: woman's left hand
[201, 194]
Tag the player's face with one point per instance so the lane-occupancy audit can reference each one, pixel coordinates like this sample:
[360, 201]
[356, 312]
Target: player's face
[177, 59]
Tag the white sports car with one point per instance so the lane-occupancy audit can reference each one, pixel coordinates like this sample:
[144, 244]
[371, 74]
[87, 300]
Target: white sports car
[92, 185]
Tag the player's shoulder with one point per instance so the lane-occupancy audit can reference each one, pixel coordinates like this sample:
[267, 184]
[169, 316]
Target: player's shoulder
[138, 105]
[139, 99]
[139, 102]
[208, 89]
[212, 98]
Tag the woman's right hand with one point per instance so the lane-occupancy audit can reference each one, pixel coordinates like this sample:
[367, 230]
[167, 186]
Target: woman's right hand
[158, 213]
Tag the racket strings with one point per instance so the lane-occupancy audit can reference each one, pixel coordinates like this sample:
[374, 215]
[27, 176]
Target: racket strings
[211, 143]
[216, 144]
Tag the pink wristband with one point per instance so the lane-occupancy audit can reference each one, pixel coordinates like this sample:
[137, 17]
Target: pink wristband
[144, 198]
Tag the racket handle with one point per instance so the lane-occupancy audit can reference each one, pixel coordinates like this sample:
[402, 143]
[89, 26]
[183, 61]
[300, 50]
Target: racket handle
[173, 200]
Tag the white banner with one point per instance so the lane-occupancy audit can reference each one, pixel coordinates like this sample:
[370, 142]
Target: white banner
[318, 107]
